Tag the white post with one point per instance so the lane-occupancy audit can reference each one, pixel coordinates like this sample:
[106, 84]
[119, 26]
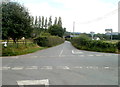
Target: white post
[5, 44]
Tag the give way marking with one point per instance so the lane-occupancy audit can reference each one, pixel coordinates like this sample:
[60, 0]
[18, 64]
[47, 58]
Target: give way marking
[76, 52]
[33, 82]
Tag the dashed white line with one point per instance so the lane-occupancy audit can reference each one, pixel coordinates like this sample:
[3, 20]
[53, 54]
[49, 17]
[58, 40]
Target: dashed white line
[90, 55]
[62, 67]
[98, 55]
[90, 67]
[51, 67]
[17, 68]
[47, 67]
[32, 67]
[106, 67]
[33, 82]
[87, 67]
[66, 67]
[78, 67]
[5, 68]
[108, 54]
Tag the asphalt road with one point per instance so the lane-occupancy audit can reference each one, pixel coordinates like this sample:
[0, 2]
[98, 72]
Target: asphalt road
[61, 65]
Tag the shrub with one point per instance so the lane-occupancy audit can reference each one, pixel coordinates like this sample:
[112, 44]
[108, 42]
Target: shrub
[50, 41]
[85, 43]
[118, 45]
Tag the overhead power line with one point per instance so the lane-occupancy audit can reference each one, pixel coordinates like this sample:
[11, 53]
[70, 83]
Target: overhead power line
[102, 17]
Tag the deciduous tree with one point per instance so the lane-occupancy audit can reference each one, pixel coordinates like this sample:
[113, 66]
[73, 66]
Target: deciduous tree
[15, 21]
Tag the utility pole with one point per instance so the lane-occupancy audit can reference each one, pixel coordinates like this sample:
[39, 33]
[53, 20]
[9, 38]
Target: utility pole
[73, 29]
[111, 34]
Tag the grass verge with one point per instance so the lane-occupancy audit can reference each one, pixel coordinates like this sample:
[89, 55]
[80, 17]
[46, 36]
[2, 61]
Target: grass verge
[12, 50]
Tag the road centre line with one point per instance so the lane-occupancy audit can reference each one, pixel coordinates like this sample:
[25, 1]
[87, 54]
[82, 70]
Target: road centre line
[61, 52]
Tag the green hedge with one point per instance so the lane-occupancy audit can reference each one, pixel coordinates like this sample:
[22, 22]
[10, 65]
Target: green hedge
[84, 43]
[50, 41]
[118, 45]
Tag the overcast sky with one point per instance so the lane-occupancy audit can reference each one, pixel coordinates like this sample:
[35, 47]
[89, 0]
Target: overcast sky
[89, 15]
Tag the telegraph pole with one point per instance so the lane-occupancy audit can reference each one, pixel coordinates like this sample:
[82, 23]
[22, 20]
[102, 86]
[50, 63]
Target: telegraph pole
[73, 29]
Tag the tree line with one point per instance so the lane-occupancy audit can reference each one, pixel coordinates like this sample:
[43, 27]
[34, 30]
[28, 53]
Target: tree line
[18, 23]
[47, 25]
[44, 23]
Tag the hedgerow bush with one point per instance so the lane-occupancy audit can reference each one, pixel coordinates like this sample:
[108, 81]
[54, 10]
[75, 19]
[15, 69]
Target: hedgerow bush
[118, 45]
[50, 41]
[85, 43]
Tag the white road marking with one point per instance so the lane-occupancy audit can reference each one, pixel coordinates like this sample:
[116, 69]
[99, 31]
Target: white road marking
[66, 67]
[34, 56]
[32, 67]
[47, 67]
[0, 68]
[78, 67]
[51, 68]
[63, 67]
[87, 67]
[5, 68]
[81, 55]
[106, 67]
[79, 52]
[33, 82]
[15, 57]
[90, 55]
[90, 67]
[98, 55]
[17, 68]
[95, 67]
[72, 52]
[108, 54]
[61, 52]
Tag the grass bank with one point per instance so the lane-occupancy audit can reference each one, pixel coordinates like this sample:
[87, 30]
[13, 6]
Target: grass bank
[13, 50]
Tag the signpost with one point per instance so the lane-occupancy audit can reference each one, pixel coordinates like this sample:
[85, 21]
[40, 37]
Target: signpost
[92, 34]
[109, 32]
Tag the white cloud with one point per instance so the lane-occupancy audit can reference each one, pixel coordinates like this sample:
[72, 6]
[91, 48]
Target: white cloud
[80, 11]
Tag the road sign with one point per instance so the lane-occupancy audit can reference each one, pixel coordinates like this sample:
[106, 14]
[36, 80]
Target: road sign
[92, 34]
[109, 32]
